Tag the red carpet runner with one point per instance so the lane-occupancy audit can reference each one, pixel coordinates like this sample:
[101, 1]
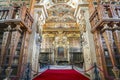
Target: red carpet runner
[61, 75]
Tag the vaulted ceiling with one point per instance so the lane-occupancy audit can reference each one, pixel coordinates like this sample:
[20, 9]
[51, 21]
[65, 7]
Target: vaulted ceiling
[60, 13]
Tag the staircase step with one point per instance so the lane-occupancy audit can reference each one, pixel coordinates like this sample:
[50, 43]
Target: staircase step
[60, 67]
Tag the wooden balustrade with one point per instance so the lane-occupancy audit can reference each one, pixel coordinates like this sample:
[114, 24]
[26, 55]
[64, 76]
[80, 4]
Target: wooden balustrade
[104, 13]
[117, 10]
[16, 15]
[4, 13]
[110, 14]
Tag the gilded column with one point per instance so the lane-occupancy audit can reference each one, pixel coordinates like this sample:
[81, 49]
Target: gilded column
[108, 36]
[116, 34]
[25, 50]
[100, 53]
[14, 42]
[4, 44]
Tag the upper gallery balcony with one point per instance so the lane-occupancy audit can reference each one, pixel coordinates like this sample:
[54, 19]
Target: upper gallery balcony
[105, 13]
[16, 15]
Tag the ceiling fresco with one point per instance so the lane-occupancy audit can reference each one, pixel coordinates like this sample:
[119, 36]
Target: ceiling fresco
[61, 13]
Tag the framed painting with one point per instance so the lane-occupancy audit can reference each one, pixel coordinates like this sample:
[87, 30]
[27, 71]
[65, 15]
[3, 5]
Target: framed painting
[60, 52]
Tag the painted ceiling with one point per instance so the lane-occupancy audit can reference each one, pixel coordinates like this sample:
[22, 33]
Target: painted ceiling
[61, 13]
[50, 3]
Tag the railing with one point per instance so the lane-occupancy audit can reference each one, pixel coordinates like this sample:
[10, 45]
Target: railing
[116, 9]
[104, 13]
[5, 12]
[16, 14]
[46, 50]
[94, 68]
[72, 49]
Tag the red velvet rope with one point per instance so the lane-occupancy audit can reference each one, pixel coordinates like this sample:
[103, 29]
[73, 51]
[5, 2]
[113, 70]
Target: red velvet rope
[89, 69]
[34, 71]
[100, 69]
[106, 75]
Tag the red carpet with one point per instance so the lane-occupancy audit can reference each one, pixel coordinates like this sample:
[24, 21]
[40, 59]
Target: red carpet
[61, 75]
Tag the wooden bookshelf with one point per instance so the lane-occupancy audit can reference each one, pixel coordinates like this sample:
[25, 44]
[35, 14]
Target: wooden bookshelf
[15, 29]
[105, 22]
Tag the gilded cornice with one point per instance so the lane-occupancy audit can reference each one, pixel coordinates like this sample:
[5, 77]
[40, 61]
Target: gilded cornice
[69, 34]
[42, 7]
[60, 1]
[60, 29]
[78, 8]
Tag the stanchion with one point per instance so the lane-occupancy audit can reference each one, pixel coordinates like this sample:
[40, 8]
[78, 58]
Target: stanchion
[27, 73]
[96, 71]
